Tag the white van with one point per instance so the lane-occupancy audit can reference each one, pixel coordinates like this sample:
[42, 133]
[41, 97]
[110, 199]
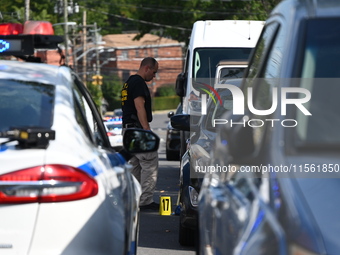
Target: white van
[212, 41]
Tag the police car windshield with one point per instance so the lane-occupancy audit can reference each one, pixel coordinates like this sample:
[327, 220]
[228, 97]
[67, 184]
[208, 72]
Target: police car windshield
[25, 104]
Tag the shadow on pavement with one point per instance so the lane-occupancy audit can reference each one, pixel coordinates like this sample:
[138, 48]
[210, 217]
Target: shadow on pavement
[161, 231]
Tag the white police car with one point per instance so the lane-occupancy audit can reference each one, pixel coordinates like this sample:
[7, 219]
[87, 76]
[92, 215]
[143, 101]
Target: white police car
[63, 189]
[114, 130]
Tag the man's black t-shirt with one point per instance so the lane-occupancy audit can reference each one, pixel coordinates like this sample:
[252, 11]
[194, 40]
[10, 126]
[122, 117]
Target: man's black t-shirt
[135, 87]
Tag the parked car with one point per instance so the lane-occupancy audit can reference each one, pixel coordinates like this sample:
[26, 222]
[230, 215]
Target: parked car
[195, 159]
[172, 143]
[118, 113]
[275, 192]
[114, 129]
[229, 69]
[63, 189]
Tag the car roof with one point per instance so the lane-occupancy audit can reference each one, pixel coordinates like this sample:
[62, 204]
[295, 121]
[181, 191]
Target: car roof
[37, 72]
[309, 8]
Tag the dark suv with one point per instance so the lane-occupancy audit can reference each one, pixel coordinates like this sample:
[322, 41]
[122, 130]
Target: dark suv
[277, 153]
[194, 160]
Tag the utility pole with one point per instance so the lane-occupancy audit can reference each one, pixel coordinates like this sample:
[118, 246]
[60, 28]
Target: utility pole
[27, 10]
[97, 50]
[84, 47]
[66, 31]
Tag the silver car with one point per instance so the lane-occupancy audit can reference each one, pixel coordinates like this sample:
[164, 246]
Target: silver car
[275, 166]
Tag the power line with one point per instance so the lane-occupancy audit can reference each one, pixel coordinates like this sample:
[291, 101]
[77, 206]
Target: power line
[156, 8]
[136, 20]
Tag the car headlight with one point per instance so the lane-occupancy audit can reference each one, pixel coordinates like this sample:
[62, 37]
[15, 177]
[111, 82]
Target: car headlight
[193, 194]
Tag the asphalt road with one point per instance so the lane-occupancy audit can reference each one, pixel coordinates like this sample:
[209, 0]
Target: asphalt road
[158, 234]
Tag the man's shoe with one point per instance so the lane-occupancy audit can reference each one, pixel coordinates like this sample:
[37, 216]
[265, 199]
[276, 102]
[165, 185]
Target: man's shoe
[150, 207]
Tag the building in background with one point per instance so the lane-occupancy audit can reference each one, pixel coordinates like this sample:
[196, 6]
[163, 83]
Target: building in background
[121, 54]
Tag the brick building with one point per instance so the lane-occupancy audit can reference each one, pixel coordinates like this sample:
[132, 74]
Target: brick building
[121, 54]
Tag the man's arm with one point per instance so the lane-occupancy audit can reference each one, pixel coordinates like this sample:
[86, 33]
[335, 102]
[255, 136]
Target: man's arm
[141, 113]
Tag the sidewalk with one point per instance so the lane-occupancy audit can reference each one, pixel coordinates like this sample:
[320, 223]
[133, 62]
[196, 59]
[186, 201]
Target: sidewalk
[163, 111]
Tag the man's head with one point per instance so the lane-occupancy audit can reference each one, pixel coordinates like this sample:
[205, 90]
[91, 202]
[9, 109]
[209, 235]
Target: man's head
[148, 68]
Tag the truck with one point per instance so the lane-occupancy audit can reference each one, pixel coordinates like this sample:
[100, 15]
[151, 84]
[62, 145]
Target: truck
[210, 42]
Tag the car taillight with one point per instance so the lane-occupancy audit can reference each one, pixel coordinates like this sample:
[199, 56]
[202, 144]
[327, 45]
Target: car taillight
[49, 183]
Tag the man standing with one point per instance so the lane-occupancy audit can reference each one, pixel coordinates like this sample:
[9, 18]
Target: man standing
[137, 113]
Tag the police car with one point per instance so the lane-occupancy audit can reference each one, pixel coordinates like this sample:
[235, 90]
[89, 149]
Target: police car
[114, 128]
[63, 189]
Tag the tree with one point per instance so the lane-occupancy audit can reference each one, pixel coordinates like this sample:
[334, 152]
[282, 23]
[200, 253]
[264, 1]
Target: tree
[177, 16]
[111, 90]
[96, 94]
[169, 18]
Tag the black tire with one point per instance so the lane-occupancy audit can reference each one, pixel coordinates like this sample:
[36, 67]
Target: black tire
[186, 235]
[171, 155]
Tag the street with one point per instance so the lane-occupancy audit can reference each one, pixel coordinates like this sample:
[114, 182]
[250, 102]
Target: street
[158, 234]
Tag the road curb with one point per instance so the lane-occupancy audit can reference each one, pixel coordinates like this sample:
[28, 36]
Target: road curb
[163, 111]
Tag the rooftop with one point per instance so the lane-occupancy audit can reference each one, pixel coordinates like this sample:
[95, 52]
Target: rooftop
[127, 40]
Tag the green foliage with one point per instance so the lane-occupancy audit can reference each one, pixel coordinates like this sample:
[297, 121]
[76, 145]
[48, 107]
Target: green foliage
[166, 91]
[111, 88]
[178, 15]
[163, 17]
[165, 103]
[96, 94]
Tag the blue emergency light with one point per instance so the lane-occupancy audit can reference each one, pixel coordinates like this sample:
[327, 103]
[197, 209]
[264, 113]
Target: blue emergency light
[16, 45]
[21, 45]
[9, 45]
[4, 45]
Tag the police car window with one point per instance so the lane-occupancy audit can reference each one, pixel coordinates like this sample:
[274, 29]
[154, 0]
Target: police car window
[80, 113]
[85, 117]
[25, 104]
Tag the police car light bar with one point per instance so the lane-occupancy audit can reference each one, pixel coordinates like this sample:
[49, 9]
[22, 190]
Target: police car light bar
[29, 137]
[16, 45]
[19, 45]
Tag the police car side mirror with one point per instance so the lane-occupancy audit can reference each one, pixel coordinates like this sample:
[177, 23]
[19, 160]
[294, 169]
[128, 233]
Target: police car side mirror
[139, 141]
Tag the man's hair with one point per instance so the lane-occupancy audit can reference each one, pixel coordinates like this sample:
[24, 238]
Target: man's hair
[149, 61]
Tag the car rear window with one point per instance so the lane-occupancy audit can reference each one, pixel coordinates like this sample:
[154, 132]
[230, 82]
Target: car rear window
[230, 73]
[322, 49]
[321, 76]
[25, 104]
